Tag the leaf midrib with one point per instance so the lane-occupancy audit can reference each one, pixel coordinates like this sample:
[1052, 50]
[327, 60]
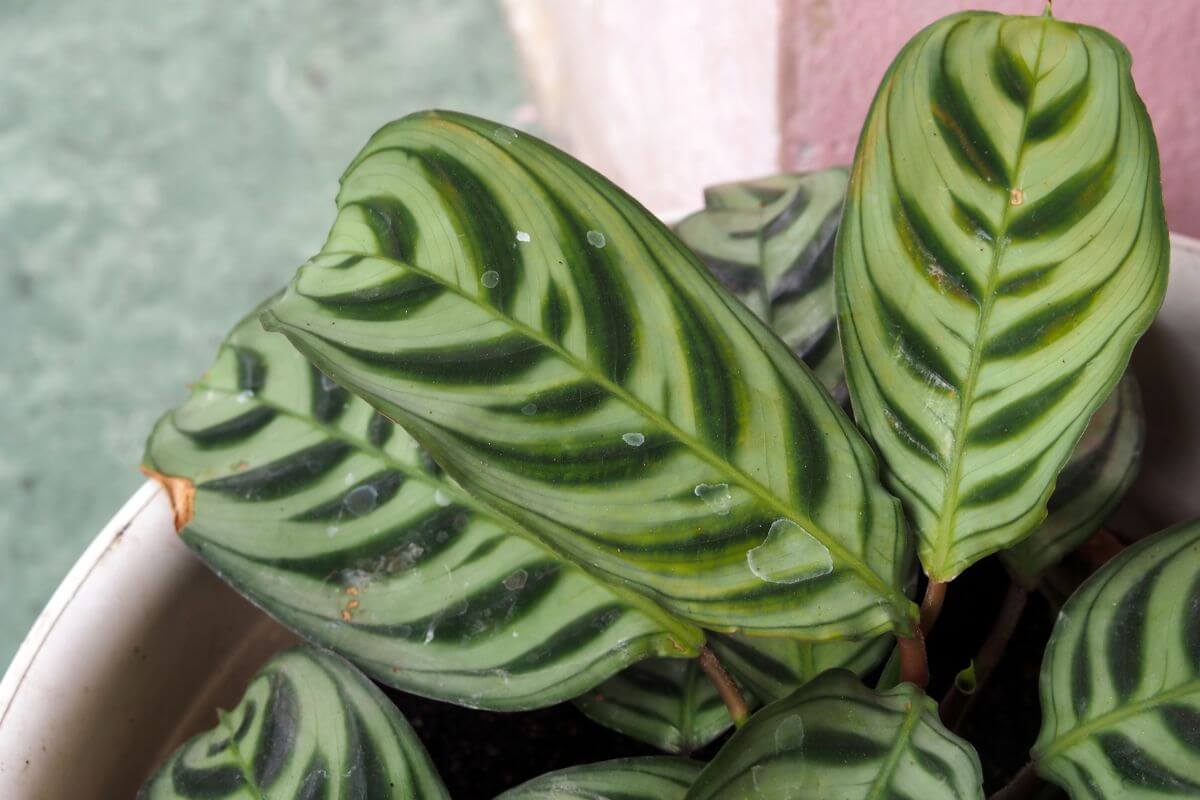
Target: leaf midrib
[242, 763]
[903, 736]
[680, 632]
[1111, 718]
[865, 573]
[944, 533]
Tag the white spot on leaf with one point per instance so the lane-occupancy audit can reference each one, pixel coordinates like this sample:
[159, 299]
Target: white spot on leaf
[522, 236]
[789, 554]
[596, 239]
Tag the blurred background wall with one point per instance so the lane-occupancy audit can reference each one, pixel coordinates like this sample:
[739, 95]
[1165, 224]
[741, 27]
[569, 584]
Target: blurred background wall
[670, 96]
[165, 166]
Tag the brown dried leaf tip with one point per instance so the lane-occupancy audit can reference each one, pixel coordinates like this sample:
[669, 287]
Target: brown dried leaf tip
[180, 492]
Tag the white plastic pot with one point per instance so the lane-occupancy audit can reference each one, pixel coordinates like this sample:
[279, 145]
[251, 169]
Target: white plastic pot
[140, 642]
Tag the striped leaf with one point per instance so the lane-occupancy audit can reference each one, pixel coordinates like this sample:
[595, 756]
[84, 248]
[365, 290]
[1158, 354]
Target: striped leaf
[648, 778]
[566, 359]
[1003, 246]
[1100, 471]
[308, 726]
[770, 242]
[667, 703]
[332, 519]
[835, 738]
[672, 705]
[1120, 679]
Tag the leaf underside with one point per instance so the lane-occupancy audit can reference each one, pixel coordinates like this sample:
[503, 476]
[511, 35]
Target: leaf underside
[770, 243]
[332, 519]
[568, 362]
[308, 726]
[648, 778]
[1003, 246]
[1100, 471]
[1120, 683]
[837, 738]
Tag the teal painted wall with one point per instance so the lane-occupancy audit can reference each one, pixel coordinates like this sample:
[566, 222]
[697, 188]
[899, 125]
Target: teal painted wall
[163, 167]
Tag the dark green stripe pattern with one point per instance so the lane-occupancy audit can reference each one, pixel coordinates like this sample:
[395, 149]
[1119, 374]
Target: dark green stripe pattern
[309, 727]
[1003, 247]
[1102, 468]
[667, 703]
[649, 778]
[334, 520]
[837, 738]
[671, 705]
[770, 242]
[566, 359]
[1120, 681]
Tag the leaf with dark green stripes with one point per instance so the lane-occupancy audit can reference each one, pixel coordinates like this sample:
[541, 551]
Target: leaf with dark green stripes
[649, 778]
[770, 242]
[332, 519]
[570, 363]
[1102, 468]
[1121, 677]
[1003, 247]
[308, 726]
[672, 705]
[835, 738]
[668, 703]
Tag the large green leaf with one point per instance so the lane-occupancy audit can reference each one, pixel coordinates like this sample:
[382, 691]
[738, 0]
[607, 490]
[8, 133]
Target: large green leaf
[565, 358]
[668, 703]
[651, 778]
[308, 726]
[1002, 248]
[1121, 677]
[1102, 468]
[331, 518]
[835, 738]
[770, 242]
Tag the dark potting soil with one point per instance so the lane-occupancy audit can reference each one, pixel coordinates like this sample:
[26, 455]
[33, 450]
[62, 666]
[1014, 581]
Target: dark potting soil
[480, 753]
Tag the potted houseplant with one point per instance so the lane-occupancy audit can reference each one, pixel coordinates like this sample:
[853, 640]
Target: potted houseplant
[506, 442]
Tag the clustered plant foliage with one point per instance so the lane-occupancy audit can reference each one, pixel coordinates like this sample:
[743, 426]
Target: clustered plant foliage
[507, 441]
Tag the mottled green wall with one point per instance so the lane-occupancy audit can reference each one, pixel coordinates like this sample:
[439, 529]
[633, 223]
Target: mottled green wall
[163, 166]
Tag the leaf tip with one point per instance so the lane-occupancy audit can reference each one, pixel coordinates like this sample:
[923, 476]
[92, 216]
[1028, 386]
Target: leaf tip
[180, 492]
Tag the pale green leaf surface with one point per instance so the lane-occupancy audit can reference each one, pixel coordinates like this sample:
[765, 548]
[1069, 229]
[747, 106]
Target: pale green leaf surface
[649, 778]
[308, 726]
[332, 519]
[1003, 247]
[565, 358]
[1102, 468]
[770, 242]
[668, 703]
[838, 740]
[1120, 682]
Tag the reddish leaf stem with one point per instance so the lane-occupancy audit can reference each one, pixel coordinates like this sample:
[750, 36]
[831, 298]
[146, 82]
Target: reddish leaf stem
[730, 695]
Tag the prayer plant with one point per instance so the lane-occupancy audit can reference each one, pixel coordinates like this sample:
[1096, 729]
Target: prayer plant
[508, 441]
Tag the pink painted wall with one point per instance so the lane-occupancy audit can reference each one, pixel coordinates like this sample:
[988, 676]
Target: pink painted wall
[836, 51]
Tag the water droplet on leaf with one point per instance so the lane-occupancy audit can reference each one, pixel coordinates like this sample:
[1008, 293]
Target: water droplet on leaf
[716, 496]
[522, 236]
[490, 279]
[633, 439]
[516, 581]
[361, 500]
[504, 135]
[441, 498]
[789, 554]
[596, 239]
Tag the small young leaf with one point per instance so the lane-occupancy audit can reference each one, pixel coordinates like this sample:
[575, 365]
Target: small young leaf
[668, 703]
[602, 391]
[770, 242]
[1102, 468]
[1120, 680]
[309, 725]
[650, 778]
[333, 520]
[837, 738]
[1002, 249]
